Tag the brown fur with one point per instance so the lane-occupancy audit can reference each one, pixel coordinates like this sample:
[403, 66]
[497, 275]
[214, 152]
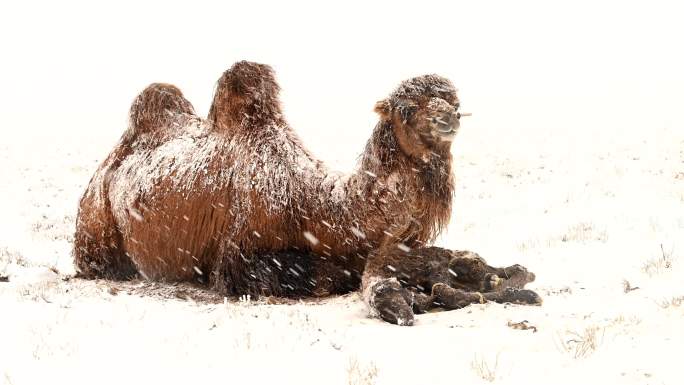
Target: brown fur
[414, 281]
[238, 202]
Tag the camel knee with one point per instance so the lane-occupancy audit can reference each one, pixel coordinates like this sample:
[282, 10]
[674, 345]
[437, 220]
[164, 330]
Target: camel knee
[387, 299]
[98, 255]
[108, 264]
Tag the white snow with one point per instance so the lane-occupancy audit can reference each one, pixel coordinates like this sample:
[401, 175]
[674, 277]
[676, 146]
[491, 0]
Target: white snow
[571, 165]
[310, 237]
[403, 247]
[583, 220]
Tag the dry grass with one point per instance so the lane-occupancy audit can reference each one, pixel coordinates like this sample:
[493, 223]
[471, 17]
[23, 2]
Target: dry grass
[56, 229]
[359, 374]
[582, 344]
[622, 320]
[483, 369]
[660, 264]
[671, 302]
[8, 257]
[627, 287]
[583, 232]
[624, 325]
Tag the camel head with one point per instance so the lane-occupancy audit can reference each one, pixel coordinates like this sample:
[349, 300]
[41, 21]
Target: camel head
[424, 114]
[247, 94]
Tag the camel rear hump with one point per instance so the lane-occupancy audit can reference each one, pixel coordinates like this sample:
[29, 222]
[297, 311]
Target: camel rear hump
[156, 108]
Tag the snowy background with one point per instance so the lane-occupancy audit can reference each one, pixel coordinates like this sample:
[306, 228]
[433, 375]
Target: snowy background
[572, 165]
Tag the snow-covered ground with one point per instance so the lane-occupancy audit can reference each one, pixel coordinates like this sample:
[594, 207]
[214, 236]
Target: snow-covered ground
[572, 165]
[593, 214]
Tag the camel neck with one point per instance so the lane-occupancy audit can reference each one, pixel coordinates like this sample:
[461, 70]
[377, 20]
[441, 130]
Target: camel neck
[391, 189]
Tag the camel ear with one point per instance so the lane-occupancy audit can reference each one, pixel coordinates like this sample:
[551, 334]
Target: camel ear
[383, 108]
[407, 110]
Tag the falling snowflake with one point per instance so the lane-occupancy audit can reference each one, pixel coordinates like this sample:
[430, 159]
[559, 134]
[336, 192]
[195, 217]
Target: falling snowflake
[403, 247]
[358, 232]
[310, 237]
[136, 214]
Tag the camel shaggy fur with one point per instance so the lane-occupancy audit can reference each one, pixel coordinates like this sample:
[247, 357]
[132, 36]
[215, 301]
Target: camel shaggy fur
[236, 201]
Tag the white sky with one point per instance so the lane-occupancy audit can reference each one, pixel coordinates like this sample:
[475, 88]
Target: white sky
[556, 66]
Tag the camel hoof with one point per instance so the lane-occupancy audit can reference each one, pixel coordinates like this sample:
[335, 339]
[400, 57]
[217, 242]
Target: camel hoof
[394, 304]
[396, 312]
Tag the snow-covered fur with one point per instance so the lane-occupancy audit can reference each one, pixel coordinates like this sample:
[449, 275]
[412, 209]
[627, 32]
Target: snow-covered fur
[236, 200]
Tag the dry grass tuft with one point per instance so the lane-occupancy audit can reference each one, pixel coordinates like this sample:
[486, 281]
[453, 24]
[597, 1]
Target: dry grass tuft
[672, 302]
[627, 287]
[624, 325]
[582, 344]
[8, 257]
[583, 232]
[483, 369]
[359, 374]
[54, 229]
[658, 265]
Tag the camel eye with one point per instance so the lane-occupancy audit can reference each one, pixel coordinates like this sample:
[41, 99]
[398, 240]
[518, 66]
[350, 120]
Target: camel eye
[457, 106]
[434, 120]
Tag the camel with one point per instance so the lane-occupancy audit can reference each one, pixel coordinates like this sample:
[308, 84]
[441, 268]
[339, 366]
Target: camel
[235, 201]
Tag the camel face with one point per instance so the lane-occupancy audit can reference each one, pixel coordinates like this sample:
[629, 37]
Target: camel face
[438, 122]
[423, 112]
